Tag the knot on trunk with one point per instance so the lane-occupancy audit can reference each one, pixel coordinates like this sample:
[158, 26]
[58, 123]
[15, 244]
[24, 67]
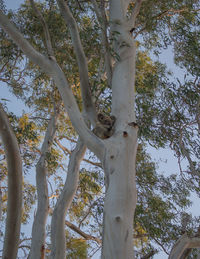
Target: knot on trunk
[118, 218]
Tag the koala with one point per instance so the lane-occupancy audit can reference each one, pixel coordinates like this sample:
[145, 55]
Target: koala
[104, 127]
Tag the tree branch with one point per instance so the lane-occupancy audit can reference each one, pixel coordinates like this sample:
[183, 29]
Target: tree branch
[135, 12]
[68, 152]
[184, 243]
[81, 233]
[169, 12]
[118, 9]
[186, 154]
[150, 254]
[88, 104]
[14, 205]
[24, 45]
[64, 202]
[54, 71]
[45, 28]
[101, 16]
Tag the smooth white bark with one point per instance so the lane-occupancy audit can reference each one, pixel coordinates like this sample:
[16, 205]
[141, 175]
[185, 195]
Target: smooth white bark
[88, 104]
[58, 239]
[54, 71]
[120, 198]
[14, 203]
[116, 153]
[123, 80]
[184, 243]
[39, 224]
[120, 155]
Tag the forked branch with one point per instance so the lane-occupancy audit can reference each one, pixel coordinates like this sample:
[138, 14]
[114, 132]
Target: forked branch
[51, 67]
[88, 104]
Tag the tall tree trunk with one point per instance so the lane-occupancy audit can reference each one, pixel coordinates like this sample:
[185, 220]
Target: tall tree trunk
[58, 238]
[120, 155]
[14, 205]
[39, 224]
[120, 198]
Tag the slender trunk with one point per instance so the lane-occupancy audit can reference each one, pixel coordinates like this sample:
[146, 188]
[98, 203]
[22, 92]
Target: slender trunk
[39, 224]
[58, 238]
[14, 205]
[120, 198]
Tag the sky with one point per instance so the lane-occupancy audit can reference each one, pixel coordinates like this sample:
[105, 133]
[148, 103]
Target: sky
[164, 157]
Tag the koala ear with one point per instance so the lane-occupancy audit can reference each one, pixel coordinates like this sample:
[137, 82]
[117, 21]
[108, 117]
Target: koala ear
[100, 116]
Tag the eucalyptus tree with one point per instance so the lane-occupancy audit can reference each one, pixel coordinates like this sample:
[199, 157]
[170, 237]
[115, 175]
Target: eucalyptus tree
[120, 200]
[115, 138]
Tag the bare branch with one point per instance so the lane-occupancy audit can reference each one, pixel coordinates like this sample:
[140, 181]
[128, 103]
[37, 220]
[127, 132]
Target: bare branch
[25, 46]
[45, 28]
[14, 205]
[81, 233]
[100, 13]
[88, 104]
[184, 243]
[54, 71]
[161, 245]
